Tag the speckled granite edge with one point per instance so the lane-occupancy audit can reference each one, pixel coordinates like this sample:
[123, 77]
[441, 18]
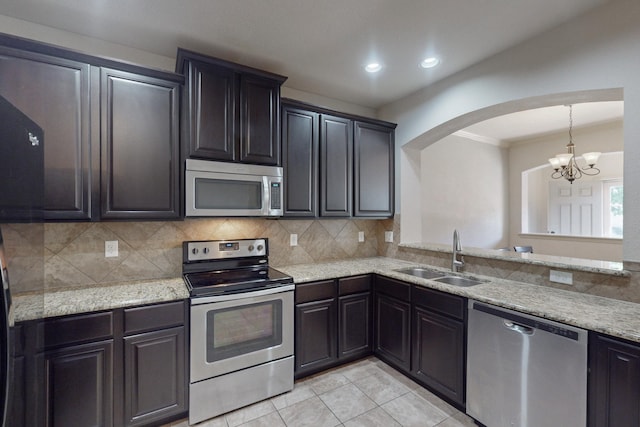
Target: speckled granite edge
[567, 263]
[609, 316]
[90, 299]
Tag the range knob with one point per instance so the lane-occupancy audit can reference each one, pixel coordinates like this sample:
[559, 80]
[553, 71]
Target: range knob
[205, 250]
[260, 248]
[251, 248]
[195, 251]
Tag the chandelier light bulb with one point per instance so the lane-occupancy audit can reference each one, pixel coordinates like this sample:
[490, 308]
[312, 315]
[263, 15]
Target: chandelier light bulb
[591, 158]
[564, 165]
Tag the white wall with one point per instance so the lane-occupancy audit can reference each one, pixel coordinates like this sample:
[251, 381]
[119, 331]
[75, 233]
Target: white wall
[464, 185]
[530, 153]
[595, 54]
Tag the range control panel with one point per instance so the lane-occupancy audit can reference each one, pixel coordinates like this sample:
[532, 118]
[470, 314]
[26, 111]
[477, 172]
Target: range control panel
[221, 249]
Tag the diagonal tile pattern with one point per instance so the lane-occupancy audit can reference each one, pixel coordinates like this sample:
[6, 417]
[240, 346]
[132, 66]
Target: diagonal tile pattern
[74, 252]
[365, 393]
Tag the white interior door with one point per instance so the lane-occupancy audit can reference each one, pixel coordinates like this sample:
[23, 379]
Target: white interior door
[575, 209]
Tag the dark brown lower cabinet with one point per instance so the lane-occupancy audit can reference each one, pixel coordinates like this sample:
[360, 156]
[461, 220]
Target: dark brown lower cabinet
[333, 323]
[16, 411]
[393, 322]
[316, 342]
[354, 319]
[122, 367]
[614, 382]
[79, 385]
[154, 375]
[439, 342]
[438, 353]
[316, 329]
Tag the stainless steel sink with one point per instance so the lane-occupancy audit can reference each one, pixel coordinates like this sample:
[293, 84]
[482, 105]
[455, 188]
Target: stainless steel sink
[424, 273]
[458, 281]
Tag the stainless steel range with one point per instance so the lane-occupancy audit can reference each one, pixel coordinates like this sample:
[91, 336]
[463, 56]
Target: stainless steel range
[242, 314]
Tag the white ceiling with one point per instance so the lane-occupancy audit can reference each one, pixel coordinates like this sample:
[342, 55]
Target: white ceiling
[541, 121]
[321, 45]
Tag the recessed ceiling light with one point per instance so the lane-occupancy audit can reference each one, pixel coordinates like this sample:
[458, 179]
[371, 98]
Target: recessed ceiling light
[429, 62]
[373, 67]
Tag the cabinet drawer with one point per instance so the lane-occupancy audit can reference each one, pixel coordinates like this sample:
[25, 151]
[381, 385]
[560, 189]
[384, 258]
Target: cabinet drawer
[394, 288]
[153, 317]
[315, 291]
[353, 285]
[440, 302]
[77, 329]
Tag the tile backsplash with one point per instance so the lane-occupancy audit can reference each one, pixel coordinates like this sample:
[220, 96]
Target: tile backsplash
[74, 253]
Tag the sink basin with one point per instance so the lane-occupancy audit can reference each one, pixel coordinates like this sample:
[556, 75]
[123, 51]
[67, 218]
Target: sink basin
[424, 273]
[458, 281]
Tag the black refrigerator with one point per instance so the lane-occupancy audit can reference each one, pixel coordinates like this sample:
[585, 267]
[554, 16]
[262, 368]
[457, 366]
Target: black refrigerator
[21, 201]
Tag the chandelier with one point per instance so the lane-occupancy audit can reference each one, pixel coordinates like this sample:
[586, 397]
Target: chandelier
[564, 165]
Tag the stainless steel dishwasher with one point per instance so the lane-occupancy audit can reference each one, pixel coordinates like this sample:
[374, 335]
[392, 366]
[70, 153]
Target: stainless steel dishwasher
[524, 371]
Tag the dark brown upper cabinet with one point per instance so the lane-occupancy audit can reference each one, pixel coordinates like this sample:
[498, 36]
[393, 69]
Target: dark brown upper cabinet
[54, 92]
[232, 112]
[111, 131]
[373, 148]
[336, 165]
[139, 119]
[300, 142]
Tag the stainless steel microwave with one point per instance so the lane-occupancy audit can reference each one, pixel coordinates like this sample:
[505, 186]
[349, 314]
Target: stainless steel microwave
[232, 189]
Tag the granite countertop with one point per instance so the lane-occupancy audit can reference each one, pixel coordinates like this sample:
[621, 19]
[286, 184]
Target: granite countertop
[577, 264]
[613, 317]
[95, 298]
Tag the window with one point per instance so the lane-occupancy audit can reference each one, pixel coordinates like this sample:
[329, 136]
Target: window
[613, 195]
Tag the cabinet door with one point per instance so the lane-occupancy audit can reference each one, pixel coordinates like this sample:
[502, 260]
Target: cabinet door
[438, 353]
[300, 137]
[374, 170]
[154, 376]
[336, 157]
[354, 335]
[614, 383]
[140, 137]
[79, 385]
[393, 331]
[211, 94]
[54, 93]
[316, 336]
[259, 120]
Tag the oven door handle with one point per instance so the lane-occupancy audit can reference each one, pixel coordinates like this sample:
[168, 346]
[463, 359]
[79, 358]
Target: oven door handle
[243, 295]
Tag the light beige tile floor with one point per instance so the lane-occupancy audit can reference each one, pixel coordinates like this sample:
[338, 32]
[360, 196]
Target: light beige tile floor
[366, 393]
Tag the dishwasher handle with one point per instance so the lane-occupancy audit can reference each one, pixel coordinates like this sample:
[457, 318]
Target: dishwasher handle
[524, 330]
[528, 324]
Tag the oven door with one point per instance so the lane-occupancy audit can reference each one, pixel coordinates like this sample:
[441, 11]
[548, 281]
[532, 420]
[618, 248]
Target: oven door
[233, 332]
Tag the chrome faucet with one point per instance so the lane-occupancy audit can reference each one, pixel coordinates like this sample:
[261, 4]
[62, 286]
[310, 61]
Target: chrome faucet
[456, 264]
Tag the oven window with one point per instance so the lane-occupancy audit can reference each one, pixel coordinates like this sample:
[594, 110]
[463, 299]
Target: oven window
[228, 194]
[239, 330]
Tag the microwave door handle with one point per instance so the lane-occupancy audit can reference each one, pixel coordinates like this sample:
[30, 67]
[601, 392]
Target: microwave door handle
[266, 199]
